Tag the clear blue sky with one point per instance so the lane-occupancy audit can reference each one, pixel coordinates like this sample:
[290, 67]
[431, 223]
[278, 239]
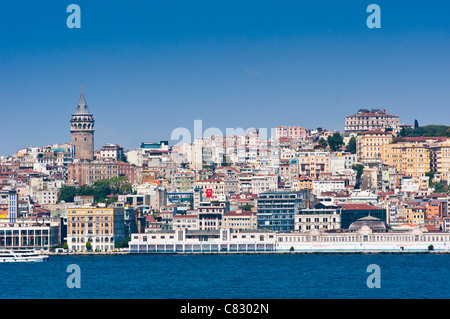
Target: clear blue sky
[149, 67]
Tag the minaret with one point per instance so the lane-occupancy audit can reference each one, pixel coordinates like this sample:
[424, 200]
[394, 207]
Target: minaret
[82, 130]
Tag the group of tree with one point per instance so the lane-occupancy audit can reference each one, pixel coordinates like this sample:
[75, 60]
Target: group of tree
[335, 143]
[101, 190]
[428, 130]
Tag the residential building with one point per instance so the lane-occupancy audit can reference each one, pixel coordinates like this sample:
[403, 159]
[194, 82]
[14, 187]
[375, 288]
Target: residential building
[276, 210]
[9, 204]
[375, 119]
[369, 144]
[292, 132]
[240, 220]
[112, 152]
[317, 218]
[189, 222]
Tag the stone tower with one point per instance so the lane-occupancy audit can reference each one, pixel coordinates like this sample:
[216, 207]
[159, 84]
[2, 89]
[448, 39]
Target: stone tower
[82, 130]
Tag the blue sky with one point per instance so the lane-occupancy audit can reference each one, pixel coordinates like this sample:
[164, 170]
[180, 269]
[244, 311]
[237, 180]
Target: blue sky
[149, 67]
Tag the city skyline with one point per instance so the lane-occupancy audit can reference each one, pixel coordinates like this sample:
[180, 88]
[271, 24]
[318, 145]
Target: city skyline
[148, 69]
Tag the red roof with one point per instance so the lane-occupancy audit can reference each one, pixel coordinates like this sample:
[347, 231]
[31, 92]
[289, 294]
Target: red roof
[376, 132]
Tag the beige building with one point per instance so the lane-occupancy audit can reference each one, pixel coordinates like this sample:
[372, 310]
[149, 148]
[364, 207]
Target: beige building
[189, 222]
[410, 159]
[367, 120]
[440, 159]
[312, 164]
[217, 187]
[369, 144]
[240, 220]
[102, 227]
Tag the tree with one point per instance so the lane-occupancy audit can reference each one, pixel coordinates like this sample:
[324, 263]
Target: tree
[416, 124]
[65, 245]
[351, 146]
[101, 189]
[335, 141]
[430, 174]
[359, 168]
[67, 194]
[125, 189]
[323, 142]
[88, 246]
[246, 207]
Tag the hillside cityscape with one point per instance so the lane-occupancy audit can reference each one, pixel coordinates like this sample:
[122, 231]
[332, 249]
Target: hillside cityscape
[380, 184]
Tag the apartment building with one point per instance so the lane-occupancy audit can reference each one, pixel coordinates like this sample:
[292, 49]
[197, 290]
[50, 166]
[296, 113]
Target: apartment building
[375, 119]
[101, 226]
[240, 220]
[440, 158]
[411, 159]
[369, 144]
[9, 204]
[320, 218]
[293, 132]
[313, 164]
[276, 210]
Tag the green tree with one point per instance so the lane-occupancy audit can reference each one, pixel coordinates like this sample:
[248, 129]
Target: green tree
[88, 246]
[67, 194]
[65, 245]
[359, 168]
[335, 141]
[430, 174]
[101, 189]
[126, 189]
[351, 146]
[416, 124]
[246, 207]
[323, 142]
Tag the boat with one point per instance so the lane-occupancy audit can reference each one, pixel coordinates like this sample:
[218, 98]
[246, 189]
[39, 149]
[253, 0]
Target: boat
[22, 256]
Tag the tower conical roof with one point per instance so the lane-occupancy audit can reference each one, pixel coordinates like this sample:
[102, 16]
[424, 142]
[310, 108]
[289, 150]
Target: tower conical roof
[82, 108]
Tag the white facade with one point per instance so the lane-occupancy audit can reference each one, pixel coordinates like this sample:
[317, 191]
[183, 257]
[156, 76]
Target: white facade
[328, 186]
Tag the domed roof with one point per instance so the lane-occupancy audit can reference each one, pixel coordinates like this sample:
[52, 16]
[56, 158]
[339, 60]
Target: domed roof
[371, 222]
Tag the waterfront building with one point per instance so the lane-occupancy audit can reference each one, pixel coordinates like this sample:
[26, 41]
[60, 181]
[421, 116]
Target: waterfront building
[210, 214]
[364, 239]
[219, 240]
[276, 210]
[9, 204]
[101, 226]
[27, 234]
[367, 235]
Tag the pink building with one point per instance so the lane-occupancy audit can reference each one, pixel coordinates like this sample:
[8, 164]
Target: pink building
[294, 132]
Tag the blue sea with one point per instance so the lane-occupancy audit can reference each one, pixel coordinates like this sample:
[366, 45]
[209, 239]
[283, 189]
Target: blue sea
[261, 276]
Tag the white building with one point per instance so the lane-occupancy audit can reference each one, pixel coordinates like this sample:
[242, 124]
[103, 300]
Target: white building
[320, 186]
